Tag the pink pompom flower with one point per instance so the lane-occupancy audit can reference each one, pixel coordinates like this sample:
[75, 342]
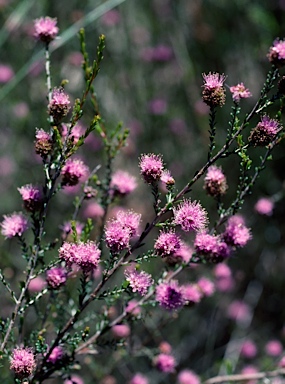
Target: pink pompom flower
[14, 225]
[46, 29]
[151, 167]
[59, 104]
[186, 376]
[236, 233]
[23, 362]
[265, 132]
[170, 295]
[214, 91]
[122, 183]
[239, 92]
[32, 197]
[73, 172]
[165, 363]
[85, 255]
[139, 281]
[276, 53]
[190, 216]
[167, 243]
[117, 236]
[56, 277]
[215, 181]
[138, 378]
[264, 206]
[43, 143]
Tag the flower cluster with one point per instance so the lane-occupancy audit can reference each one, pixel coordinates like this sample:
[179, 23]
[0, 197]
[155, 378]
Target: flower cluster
[190, 216]
[59, 104]
[23, 362]
[43, 143]
[167, 243]
[276, 53]
[14, 225]
[170, 295]
[236, 233]
[122, 183]
[210, 247]
[56, 277]
[151, 167]
[239, 92]
[215, 181]
[85, 255]
[46, 29]
[139, 281]
[32, 197]
[73, 172]
[265, 132]
[214, 91]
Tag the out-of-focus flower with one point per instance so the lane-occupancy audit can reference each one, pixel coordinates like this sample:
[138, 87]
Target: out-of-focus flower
[93, 210]
[248, 349]
[265, 132]
[139, 281]
[111, 18]
[157, 107]
[121, 331]
[151, 167]
[138, 378]
[264, 206]
[190, 216]
[23, 362]
[238, 310]
[165, 363]
[133, 308]
[37, 284]
[74, 379]
[211, 247]
[46, 29]
[215, 181]
[56, 277]
[59, 104]
[239, 92]
[167, 178]
[276, 53]
[236, 233]
[192, 293]
[207, 286]
[122, 183]
[73, 172]
[32, 197]
[170, 295]
[14, 225]
[186, 376]
[214, 91]
[56, 354]
[274, 348]
[6, 73]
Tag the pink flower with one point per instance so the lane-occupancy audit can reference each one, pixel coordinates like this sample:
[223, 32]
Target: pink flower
[215, 181]
[236, 233]
[74, 379]
[32, 197]
[94, 210]
[239, 311]
[43, 143]
[190, 216]
[207, 286]
[165, 363]
[23, 362]
[59, 104]
[188, 377]
[77, 131]
[123, 183]
[184, 253]
[157, 106]
[6, 73]
[192, 293]
[250, 369]
[214, 91]
[139, 281]
[211, 247]
[117, 236]
[167, 178]
[264, 206]
[265, 132]
[56, 277]
[167, 243]
[248, 349]
[151, 167]
[74, 171]
[14, 225]
[129, 220]
[274, 348]
[133, 308]
[56, 354]
[67, 229]
[170, 295]
[239, 92]
[276, 53]
[138, 378]
[85, 255]
[46, 29]
[165, 347]
[37, 284]
[121, 331]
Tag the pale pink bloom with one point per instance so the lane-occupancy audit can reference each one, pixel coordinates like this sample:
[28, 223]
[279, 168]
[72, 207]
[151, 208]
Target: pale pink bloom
[73, 172]
[211, 247]
[56, 354]
[165, 363]
[139, 281]
[184, 253]
[207, 286]
[59, 104]
[6, 73]
[117, 236]
[93, 210]
[215, 181]
[170, 295]
[239, 92]
[32, 197]
[56, 277]
[167, 243]
[236, 233]
[192, 293]
[274, 348]
[248, 370]
[214, 91]
[123, 183]
[281, 363]
[14, 225]
[151, 167]
[74, 379]
[239, 311]
[224, 278]
[37, 284]
[213, 80]
[188, 377]
[248, 349]
[166, 177]
[264, 206]
[133, 308]
[190, 216]
[222, 271]
[46, 29]
[130, 220]
[85, 255]
[138, 378]
[121, 331]
[23, 362]
[276, 53]
[77, 131]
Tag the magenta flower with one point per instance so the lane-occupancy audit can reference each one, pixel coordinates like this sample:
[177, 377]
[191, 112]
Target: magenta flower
[45, 29]
[151, 167]
[188, 377]
[117, 236]
[59, 104]
[165, 363]
[276, 53]
[14, 225]
[121, 331]
[56, 277]
[167, 243]
[215, 181]
[265, 132]
[23, 362]
[239, 92]
[192, 293]
[236, 233]
[170, 295]
[43, 143]
[73, 172]
[122, 183]
[32, 197]
[139, 281]
[56, 354]
[166, 178]
[138, 378]
[130, 220]
[274, 348]
[6, 73]
[214, 91]
[190, 216]
[85, 255]
[211, 247]
[264, 206]
[248, 349]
